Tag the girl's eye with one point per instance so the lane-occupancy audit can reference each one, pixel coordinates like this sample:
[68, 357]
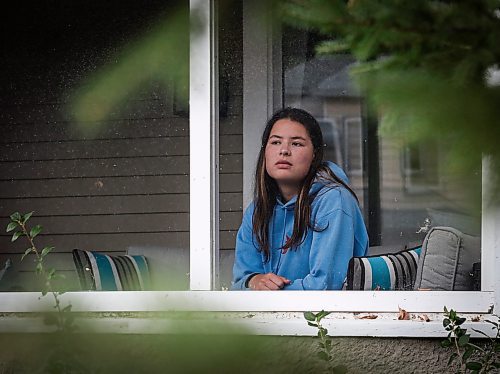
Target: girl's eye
[275, 142]
[296, 144]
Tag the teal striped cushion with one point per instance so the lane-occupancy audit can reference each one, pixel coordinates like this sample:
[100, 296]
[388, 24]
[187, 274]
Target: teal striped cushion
[392, 271]
[100, 272]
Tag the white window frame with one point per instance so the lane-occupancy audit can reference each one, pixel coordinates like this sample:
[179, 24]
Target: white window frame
[277, 313]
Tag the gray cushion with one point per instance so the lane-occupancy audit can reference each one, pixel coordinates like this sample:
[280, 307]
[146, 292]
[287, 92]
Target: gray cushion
[446, 260]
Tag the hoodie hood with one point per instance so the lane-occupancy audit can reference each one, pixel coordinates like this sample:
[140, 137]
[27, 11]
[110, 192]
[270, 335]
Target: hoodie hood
[320, 181]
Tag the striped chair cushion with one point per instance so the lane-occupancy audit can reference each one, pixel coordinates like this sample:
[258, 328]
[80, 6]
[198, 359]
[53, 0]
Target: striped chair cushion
[394, 271]
[100, 272]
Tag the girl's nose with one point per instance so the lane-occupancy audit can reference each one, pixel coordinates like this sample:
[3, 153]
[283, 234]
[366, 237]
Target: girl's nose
[284, 152]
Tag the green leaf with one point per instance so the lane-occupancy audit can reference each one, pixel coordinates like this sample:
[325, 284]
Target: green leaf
[50, 273]
[445, 343]
[468, 352]
[452, 358]
[27, 216]
[493, 323]
[463, 340]
[475, 347]
[11, 226]
[16, 235]
[46, 251]
[39, 267]
[312, 324]
[35, 231]
[322, 315]
[453, 315]
[446, 322]
[16, 216]
[323, 356]
[331, 46]
[481, 332]
[26, 252]
[59, 276]
[460, 321]
[309, 316]
[473, 365]
[445, 310]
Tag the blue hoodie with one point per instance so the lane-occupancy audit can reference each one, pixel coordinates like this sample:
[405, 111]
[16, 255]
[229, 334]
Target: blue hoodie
[320, 262]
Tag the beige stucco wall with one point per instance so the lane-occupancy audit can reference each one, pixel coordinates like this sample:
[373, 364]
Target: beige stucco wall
[23, 353]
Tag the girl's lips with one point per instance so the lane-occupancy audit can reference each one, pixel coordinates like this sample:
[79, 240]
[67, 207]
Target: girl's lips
[283, 165]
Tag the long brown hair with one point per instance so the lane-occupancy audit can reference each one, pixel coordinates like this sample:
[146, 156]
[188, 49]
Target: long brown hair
[266, 189]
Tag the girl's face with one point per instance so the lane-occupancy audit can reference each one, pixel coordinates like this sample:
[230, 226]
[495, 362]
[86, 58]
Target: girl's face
[289, 153]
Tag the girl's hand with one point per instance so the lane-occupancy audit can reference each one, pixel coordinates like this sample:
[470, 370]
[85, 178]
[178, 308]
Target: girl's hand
[268, 282]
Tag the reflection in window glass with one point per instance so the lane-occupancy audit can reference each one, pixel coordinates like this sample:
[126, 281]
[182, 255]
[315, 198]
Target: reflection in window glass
[399, 184]
[95, 139]
[230, 133]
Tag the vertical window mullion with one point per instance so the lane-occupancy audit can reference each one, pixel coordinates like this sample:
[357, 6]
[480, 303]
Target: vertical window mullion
[490, 237]
[201, 153]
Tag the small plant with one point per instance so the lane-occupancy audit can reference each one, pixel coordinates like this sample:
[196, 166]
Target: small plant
[471, 357]
[63, 320]
[325, 344]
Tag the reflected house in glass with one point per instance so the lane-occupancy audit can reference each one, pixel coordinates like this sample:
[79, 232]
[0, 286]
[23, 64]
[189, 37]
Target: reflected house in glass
[412, 178]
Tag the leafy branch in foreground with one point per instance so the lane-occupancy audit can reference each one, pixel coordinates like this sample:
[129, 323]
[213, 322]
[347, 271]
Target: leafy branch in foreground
[63, 320]
[326, 348]
[429, 68]
[472, 358]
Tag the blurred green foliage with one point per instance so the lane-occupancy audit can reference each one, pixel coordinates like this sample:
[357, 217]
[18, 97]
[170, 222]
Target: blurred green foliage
[190, 352]
[429, 68]
[161, 54]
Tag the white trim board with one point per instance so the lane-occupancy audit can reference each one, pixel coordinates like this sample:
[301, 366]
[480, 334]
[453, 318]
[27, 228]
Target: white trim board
[270, 323]
[251, 301]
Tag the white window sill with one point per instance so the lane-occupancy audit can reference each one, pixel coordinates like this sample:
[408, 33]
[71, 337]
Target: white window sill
[263, 313]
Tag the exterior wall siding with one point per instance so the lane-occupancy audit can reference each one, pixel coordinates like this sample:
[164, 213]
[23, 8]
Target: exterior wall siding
[107, 185]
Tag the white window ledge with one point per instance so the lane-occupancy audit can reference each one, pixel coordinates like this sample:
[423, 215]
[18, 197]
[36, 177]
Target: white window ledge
[259, 323]
[248, 301]
[265, 313]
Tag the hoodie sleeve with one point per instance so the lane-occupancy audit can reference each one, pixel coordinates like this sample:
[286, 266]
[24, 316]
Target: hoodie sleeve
[248, 260]
[331, 250]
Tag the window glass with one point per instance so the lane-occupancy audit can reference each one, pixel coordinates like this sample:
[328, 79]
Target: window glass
[95, 134]
[402, 186]
[230, 31]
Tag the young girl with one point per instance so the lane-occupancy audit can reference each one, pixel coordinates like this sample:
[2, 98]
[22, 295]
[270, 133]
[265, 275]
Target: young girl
[304, 224]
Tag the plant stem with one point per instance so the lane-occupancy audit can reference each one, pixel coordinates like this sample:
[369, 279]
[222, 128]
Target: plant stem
[48, 283]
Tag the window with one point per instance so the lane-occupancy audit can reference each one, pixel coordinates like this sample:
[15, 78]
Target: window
[212, 197]
[96, 145]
